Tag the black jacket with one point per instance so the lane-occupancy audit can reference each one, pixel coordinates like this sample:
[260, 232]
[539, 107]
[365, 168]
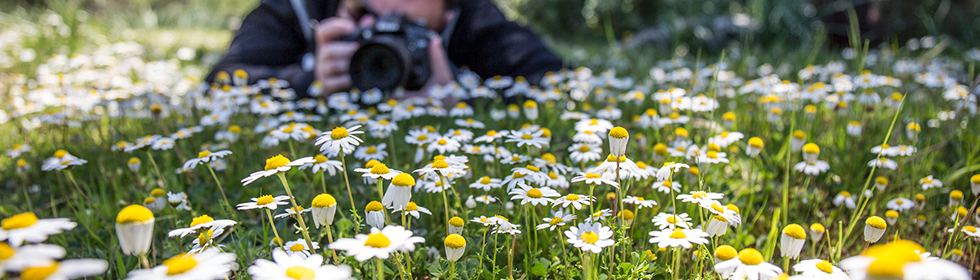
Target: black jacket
[270, 43]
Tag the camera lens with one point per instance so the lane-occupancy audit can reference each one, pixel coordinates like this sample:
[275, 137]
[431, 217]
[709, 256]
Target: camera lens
[381, 64]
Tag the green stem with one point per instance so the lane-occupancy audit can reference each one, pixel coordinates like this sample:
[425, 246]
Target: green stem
[220, 188]
[299, 215]
[380, 264]
[272, 222]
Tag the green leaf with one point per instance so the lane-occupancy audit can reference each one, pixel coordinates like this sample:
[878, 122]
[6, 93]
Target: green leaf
[539, 269]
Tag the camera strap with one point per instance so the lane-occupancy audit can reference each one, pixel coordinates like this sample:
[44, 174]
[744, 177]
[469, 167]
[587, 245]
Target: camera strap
[309, 60]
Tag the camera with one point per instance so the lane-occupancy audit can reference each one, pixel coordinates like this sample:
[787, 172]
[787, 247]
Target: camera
[394, 52]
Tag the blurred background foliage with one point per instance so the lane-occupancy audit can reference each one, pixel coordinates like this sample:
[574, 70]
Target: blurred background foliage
[585, 32]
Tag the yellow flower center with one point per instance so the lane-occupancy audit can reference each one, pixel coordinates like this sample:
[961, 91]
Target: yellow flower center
[845, 194]
[799, 134]
[320, 159]
[527, 137]
[755, 142]
[533, 168]
[817, 227]
[584, 149]
[626, 214]
[678, 234]
[456, 222]
[6, 252]
[486, 180]
[680, 131]
[203, 154]
[591, 176]
[825, 267]
[712, 154]
[877, 222]
[672, 220]
[264, 200]
[811, 148]
[725, 252]
[380, 168]
[377, 240]
[371, 150]
[795, 231]
[38, 272]
[891, 214]
[234, 129]
[403, 180]
[201, 219]
[204, 237]
[157, 192]
[555, 221]
[339, 133]
[413, 207]
[18, 221]
[970, 229]
[552, 175]
[297, 247]
[750, 256]
[60, 153]
[534, 193]
[300, 272]
[374, 206]
[455, 241]
[440, 164]
[590, 237]
[881, 181]
[619, 132]
[179, 264]
[276, 162]
[699, 195]
[132, 214]
[926, 180]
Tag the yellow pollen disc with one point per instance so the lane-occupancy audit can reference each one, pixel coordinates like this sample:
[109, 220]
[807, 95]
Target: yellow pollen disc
[38, 272]
[699, 195]
[132, 214]
[588, 132]
[377, 240]
[672, 220]
[712, 154]
[530, 104]
[500, 217]
[733, 207]
[961, 211]
[485, 180]
[235, 129]
[179, 264]
[845, 194]
[533, 168]
[970, 229]
[440, 164]
[926, 181]
[300, 272]
[755, 142]
[339, 133]
[877, 222]
[750, 256]
[149, 200]
[456, 222]
[590, 237]
[527, 136]
[403, 180]
[276, 162]
[725, 252]
[201, 219]
[534, 193]
[413, 207]
[264, 200]
[374, 206]
[720, 218]
[957, 195]
[728, 116]
[891, 214]
[157, 192]
[975, 179]
[555, 221]
[297, 247]
[204, 237]
[545, 132]
[22, 162]
[825, 267]
[371, 150]
[626, 214]
[133, 160]
[881, 180]
[21, 220]
[817, 227]
[203, 154]
[60, 153]
[619, 132]
[592, 175]
[795, 231]
[6, 252]
[811, 148]
[320, 159]
[455, 241]
[920, 197]
[799, 134]
[678, 234]
[680, 131]
[380, 168]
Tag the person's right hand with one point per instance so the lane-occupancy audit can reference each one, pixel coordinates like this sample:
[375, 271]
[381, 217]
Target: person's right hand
[333, 56]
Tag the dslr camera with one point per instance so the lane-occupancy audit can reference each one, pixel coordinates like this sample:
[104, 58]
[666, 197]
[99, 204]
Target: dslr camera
[394, 52]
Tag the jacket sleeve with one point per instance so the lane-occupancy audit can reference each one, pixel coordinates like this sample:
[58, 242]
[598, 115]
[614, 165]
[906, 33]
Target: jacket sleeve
[489, 44]
[268, 44]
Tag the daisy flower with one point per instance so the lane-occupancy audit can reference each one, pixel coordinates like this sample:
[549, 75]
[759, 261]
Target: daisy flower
[557, 221]
[590, 237]
[584, 152]
[532, 139]
[928, 182]
[372, 152]
[17, 150]
[671, 221]
[66, 269]
[668, 169]
[374, 170]
[285, 266]
[442, 167]
[209, 264]
[291, 212]
[203, 222]
[700, 197]
[598, 126]
[413, 210]
[573, 200]
[16, 258]
[594, 179]
[162, 143]
[792, 241]
[844, 197]
[874, 228]
[297, 247]
[460, 135]
[587, 137]
[470, 123]
[339, 140]
[62, 165]
[667, 186]
[27, 227]
[639, 201]
[399, 190]
[599, 216]
[900, 260]
[618, 139]
[726, 138]
[485, 199]
[486, 183]
[204, 156]
[378, 244]
[265, 201]
[900, 204]
[275, 165]
[443, 145]
[885, 163]
[713, 157]
[321, 163]
[134, 229]
[748, 265]
[491, 136]
[678, 237]
[324, 208]
[536, 196]
[812, 168]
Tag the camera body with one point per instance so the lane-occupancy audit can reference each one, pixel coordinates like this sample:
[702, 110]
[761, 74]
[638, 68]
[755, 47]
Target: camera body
[394, 52]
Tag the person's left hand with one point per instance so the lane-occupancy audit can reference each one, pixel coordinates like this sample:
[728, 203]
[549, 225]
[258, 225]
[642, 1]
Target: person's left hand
[441, 74]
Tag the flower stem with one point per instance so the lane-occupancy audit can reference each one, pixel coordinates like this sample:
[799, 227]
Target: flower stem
[379, 274]
[275, 232]
[336, 261]
[299, 215]
[220, 188]
[445, 203]
[587, 272]
[350, 195]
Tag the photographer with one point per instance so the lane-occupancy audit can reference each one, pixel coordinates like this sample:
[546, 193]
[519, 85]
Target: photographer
[272, 43]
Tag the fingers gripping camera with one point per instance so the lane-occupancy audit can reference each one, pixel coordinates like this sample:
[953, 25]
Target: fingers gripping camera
[393, 52]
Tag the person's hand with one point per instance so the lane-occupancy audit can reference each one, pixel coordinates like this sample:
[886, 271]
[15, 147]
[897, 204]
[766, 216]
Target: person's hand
[440, 73]
[333, 56]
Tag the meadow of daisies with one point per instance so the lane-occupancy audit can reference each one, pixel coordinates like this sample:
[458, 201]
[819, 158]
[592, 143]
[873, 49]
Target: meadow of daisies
[863, 166]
